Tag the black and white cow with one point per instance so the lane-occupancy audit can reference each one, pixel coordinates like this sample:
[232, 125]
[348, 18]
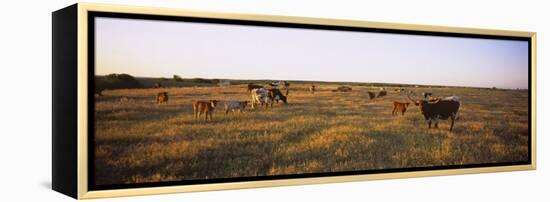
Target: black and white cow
[436, 109]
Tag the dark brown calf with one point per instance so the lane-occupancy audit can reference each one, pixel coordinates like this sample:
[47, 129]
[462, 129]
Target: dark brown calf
[372, 95]
[382, 93]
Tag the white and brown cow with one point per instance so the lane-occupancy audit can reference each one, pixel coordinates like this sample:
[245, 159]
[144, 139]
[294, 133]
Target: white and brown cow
[260, 96]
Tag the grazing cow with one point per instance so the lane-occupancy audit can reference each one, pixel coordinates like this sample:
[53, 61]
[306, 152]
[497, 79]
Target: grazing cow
[260, 96]
[312, 89]
[399, 90]
[439, 109]
[157, 85]
[234, 106]
[426, 95]
[400, 107]
[276, 95]
[204, 107]
[372, 95]
[382, 93]
[162, 97]
[343, 89]
[252, 86]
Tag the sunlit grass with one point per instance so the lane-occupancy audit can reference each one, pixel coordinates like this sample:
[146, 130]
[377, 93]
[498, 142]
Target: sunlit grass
[139, 141]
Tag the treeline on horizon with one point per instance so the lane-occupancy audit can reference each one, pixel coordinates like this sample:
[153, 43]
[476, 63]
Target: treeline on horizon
[126, 81]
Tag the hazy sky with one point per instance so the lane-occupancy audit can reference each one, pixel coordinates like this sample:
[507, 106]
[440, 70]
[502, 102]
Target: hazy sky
[150, 48]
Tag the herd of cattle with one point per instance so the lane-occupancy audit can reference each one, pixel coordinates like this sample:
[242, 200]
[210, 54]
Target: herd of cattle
[432, 108]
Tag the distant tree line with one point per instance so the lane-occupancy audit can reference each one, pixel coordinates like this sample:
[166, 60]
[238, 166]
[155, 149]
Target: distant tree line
[196, 80]
[177, 78]
[126, 81]
[115, 81]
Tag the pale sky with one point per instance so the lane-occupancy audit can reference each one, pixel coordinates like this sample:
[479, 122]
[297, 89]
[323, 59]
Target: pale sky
[153, 48]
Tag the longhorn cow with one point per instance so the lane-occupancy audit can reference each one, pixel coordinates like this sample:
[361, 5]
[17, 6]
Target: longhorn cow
[440, 108]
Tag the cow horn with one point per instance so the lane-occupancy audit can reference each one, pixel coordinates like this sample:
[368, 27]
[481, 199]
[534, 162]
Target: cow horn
[434, 101]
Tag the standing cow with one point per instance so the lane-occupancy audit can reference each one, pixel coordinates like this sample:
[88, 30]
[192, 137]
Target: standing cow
[372, 95]
[162, 97]
[234, 106]
[260, 96]
[276, 95]
[204, 107]
[436, 109]
[400, 107]
[266, 97]
[382, 93]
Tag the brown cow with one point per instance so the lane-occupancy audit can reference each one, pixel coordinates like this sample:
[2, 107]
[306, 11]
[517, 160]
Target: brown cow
[382, 93]
[372, 95]
[204, 107]
[157, 85]
[400, 107]
[312, 89]
[162, 97]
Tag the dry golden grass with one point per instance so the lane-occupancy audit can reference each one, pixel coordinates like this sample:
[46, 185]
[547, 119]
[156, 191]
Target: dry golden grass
[140, 141]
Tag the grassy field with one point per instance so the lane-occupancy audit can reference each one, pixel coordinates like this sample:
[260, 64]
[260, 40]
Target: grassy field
[140, 141]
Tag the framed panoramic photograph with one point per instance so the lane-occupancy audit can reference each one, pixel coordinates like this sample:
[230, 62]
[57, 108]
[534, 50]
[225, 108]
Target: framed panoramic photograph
[152, 100]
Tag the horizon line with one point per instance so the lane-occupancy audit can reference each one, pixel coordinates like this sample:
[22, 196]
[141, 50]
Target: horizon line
[359, 82]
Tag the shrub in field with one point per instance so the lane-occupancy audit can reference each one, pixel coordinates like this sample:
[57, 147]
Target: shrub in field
[205, 81]
[177, 78]
[343, 89]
